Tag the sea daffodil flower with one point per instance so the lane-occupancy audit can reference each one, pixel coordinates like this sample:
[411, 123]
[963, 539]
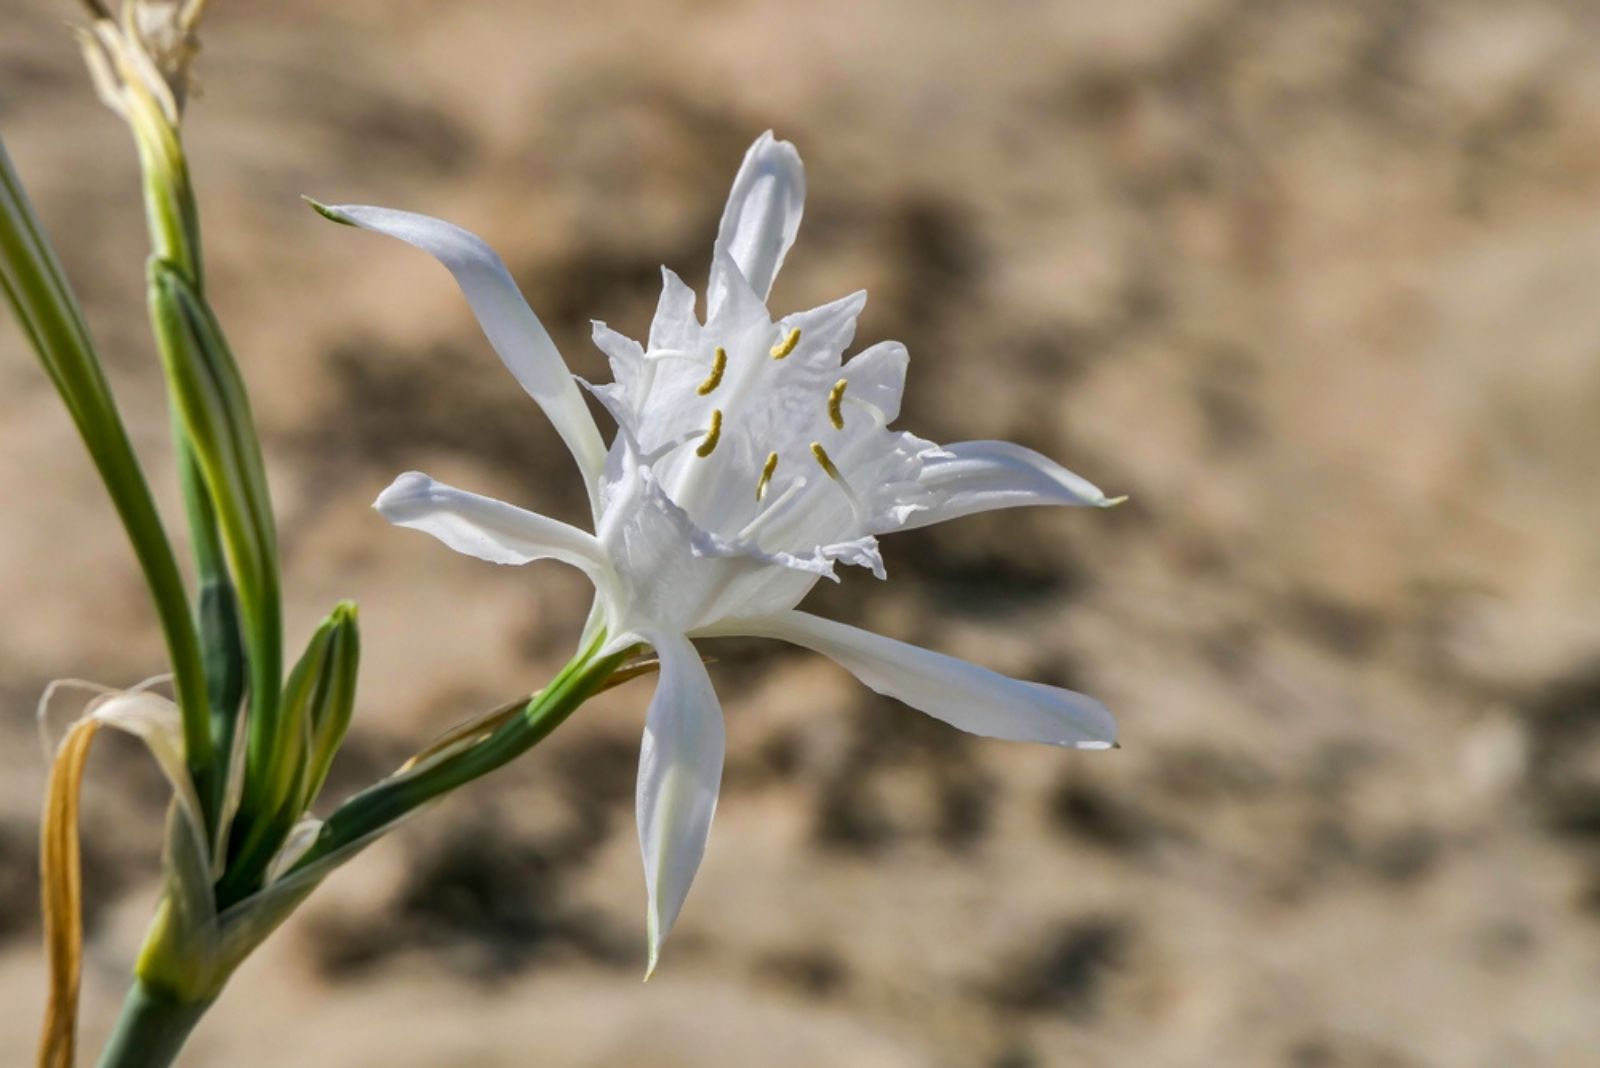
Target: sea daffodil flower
[749, 461]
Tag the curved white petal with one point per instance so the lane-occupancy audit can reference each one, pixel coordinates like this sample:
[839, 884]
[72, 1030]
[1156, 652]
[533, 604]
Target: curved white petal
[486, 528]
[510, 325]
[964, 695]
[680, 772]
[980, 476]
[763, 211]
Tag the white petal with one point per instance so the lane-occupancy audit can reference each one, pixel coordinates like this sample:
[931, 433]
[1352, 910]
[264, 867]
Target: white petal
[623, 353]
[510, 325]
[680, 772]
[763, 211]
[962, 694]
[627, 364]
[877, 376]
[484, 527]
[980, 476]
[732, 306]
[674, 325]
[825, 332]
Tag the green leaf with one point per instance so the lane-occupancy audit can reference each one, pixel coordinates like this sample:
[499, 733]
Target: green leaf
[221, 644]
[36, 289]
[214, 413]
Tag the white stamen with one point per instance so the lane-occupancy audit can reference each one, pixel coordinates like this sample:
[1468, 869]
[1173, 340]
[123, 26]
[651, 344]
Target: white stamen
[661, 452]
[773, 511]
[823, 461]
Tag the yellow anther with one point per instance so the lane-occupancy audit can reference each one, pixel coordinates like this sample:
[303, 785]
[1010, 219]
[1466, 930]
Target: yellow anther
[827, 464]
[712, 434]
[719, 364]
[766, 476]
[786, 346]
[835, 399]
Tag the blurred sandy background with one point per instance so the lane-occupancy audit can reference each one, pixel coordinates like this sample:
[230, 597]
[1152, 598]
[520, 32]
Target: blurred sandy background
[1317, 283]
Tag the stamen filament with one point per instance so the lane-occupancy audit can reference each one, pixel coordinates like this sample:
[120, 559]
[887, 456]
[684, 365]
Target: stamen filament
[658, 355]
[766, 476]
[836, 398]
[713, 435]
[719, 364]
[786, 346]
[666, 449]
[826, 463]
[773, 512]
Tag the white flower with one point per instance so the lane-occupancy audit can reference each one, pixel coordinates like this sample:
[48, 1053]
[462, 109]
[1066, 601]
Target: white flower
[749, 462]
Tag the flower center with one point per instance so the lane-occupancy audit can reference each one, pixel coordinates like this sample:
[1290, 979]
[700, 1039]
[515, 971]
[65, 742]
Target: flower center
[710, 437]
[743, 474]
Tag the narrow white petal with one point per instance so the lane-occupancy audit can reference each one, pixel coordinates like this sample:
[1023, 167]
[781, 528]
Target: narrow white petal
[980, 476]
[964, 695]
[510, 325]
[680, 772]
[484, 527]
[763, 211]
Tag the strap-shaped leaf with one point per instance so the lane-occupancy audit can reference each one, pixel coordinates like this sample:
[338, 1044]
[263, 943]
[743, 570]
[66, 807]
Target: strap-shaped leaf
[214, 412]
[36, 288]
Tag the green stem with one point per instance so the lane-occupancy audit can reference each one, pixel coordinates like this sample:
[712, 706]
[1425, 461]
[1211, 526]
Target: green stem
[151, 1030]
[155, 1022]
[382, 804]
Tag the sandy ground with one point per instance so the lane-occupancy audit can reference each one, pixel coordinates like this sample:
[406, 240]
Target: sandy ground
[1317, 283]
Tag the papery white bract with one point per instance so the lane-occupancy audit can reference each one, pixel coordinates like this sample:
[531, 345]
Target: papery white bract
[750, 460]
